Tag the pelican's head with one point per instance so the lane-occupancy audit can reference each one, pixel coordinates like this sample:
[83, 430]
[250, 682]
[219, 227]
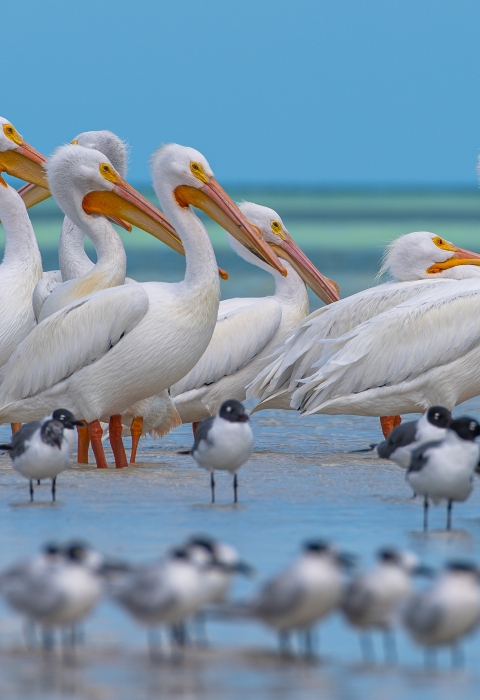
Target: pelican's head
[107, 143]
[274, 232]
[423, 255]
[18, 158]
[84, 182]
[184, 174]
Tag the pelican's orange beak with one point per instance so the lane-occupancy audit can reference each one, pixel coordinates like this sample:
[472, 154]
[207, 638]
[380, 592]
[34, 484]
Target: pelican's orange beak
[214, 201]
[324, 288]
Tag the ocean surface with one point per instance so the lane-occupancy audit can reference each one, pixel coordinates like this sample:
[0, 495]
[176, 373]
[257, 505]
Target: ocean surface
[302, 482]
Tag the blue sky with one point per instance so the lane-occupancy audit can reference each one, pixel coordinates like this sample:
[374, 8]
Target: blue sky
[344, 92]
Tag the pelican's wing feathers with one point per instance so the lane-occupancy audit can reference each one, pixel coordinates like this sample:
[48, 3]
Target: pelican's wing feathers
[70, 339]
[298, 356]
[431, 330]
[239, 335]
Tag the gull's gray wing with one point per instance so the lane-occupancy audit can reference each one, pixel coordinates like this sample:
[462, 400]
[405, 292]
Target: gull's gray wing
[17, 445]
[278, 597]
[144, 591]
[357, 599]
[420, 455]
[422, 618]
[401, 436]
[202, 432]
[34, 595]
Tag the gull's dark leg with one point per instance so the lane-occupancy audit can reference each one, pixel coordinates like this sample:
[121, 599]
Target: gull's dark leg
[309, 646]
[430, 657]
[425, 514]
[284, 643]
[201, 636]
[235, 488]
[449, 514]
[39, 481]
[54, 488]
[48, 639]
[31, 491]
[154, 643]
[367, 649]
[390, 647]
[212, 486]
[457, 656]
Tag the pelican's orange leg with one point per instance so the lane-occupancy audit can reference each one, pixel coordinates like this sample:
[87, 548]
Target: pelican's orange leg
[136, 430]
[95, 431]
[83, 443]
[388, 423]
[116, 430]
[194, 428]
[15, 427]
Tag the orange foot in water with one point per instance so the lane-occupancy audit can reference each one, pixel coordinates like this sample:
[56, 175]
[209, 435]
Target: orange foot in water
[388, 423]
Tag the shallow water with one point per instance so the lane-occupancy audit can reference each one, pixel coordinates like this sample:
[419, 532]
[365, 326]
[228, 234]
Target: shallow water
[302, 482]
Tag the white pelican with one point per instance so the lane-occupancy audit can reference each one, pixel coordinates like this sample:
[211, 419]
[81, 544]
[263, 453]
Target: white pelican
[248, 329]
[118, 346]
[422, 352]
[74, 262]
[418, 262]
[21, 267]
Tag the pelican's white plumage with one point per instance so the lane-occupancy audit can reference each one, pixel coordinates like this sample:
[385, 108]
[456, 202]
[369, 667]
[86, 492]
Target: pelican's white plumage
[423, 352]
[408, 259]
[21, 267]
[115, 347]
[246, 332]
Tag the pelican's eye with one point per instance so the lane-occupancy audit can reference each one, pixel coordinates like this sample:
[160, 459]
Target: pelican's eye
[12, 134]
[108, 172]
[277, 228]
[74, 142]
[198, 171]
[443, 244]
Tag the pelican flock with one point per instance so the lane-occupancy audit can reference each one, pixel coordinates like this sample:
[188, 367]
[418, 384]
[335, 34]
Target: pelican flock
[87, 348]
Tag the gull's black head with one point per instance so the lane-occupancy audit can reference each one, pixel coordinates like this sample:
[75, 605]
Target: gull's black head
[51, 549]
[203, 541]
[460, 565]
[389, 555]
[439, 416]
[233, 411]
[76, 551]
[466, 428]
[317, 546]
[66, 417]
[51, 433]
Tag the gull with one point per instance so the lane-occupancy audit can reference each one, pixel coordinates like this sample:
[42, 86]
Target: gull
[445, 470]
[447, 611]
[303, 594]
[223, 442]
[56, 589]
[166, 592]
[41, 449]
[406, 437]
[373, 599]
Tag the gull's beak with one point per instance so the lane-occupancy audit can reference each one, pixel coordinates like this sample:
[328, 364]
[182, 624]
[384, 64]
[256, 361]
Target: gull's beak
[460, 257]
[25, 163]
[126, 204]
[323, 287]
[214, 201]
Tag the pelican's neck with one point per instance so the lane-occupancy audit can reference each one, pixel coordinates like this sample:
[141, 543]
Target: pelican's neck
[288, 290]
[21, 248]
[74, 262]
[201, 271]
[111, 265]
